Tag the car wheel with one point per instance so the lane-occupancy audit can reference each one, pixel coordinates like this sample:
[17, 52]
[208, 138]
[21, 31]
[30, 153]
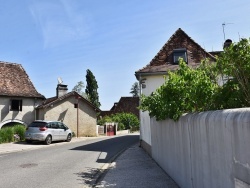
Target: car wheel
[69, 138]
[48, 140]
[29, 141]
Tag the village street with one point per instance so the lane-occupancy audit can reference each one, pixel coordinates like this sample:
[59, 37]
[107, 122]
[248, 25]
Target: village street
[61, 164]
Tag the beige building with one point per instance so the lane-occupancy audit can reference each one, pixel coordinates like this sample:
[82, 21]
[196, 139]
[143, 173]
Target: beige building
[18, 96]
[72, 109]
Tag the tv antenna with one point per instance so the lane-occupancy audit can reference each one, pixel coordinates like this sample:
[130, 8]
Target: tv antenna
[59, 80]
[223, 27]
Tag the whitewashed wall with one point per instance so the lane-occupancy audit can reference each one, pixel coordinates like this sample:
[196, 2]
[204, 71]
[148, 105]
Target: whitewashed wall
[209, 149]
[151, 83]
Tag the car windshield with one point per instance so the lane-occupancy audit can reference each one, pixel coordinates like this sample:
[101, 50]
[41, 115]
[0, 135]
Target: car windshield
[38, 124]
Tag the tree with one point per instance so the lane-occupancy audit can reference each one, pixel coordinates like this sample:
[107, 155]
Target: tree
[234, 62]
[91, 89]
[79, 88]
[135, 89]
[124, 120]
[185, 90]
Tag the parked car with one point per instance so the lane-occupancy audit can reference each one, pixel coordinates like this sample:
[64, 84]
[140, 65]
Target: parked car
[47, 131]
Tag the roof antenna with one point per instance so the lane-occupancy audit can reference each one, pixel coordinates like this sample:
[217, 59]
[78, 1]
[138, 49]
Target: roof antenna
[59, 80]
[223, 27]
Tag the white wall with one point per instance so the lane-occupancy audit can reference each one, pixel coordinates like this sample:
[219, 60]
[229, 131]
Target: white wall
[209, 149]
[151, 83]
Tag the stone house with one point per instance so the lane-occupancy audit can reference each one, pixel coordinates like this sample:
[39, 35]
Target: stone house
[18, 96]
[72, 109]
[152, 75]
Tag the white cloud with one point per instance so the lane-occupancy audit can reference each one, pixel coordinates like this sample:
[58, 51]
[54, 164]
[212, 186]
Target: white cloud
[59, 22]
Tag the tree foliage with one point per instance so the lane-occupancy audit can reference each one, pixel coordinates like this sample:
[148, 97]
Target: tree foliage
[193, 90]
[91, 89]
[186, 90]
[79, 88]
[124, 120]
[135, 89]
[235, 63]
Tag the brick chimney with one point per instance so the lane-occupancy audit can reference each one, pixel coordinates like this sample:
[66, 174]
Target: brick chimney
[61, 90]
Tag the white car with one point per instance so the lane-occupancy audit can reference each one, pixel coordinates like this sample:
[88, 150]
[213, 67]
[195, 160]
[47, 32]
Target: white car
[47, 131]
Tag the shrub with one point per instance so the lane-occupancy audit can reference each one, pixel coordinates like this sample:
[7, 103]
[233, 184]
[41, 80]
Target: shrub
[20, 130]
[6, 135]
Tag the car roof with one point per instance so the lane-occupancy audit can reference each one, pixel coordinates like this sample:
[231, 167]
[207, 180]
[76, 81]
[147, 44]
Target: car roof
[46, 121]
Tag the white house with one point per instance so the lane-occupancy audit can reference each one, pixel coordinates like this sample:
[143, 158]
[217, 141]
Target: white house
[152, 75]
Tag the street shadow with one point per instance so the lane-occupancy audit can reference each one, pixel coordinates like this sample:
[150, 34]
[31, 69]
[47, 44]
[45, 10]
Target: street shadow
[89, 176]
[109, 148]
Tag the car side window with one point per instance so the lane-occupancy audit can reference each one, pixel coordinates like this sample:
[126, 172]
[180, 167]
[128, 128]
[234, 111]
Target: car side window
[54, 125]
[48, 125]
[61, 126]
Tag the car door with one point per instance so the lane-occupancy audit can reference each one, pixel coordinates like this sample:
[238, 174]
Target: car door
[55, 131]
[63, 132]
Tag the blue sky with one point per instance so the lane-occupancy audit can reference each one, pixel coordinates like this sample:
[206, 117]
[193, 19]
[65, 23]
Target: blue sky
[112, 38]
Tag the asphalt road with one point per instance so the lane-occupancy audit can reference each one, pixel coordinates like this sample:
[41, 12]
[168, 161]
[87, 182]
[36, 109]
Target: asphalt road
[68, 165]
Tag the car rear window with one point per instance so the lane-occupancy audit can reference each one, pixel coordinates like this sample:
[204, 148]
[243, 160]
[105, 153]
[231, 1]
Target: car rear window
[38, 124]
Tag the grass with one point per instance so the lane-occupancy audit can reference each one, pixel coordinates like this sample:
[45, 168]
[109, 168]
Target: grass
[7, 133]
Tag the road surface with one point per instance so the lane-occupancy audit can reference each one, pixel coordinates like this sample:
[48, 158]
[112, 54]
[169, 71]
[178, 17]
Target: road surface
[66, 165]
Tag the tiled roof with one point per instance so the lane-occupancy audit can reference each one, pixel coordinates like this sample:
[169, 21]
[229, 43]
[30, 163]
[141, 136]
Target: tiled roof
[126, 105]
[53, 100]
[163, 61]
[14, 81]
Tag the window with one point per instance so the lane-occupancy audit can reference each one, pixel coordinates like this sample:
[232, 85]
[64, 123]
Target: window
[16, 105]
[179, 53]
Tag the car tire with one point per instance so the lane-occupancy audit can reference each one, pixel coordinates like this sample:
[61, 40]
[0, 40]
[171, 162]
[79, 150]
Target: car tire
[48, 140]
[28, 141]
[69, 137]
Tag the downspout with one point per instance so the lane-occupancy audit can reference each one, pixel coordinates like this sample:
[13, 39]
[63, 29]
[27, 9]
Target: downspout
[35, 108]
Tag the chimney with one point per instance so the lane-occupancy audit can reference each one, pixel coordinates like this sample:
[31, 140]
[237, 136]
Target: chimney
[61, 90]
[227, 43]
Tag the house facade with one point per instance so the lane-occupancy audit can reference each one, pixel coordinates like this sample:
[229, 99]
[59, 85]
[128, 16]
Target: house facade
[18, 96]
[153, 74]
[72, 109]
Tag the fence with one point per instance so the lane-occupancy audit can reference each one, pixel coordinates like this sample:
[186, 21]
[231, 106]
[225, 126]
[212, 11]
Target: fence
[209, 149]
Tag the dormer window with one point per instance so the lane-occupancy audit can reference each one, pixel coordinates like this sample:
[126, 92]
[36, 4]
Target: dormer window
[179, 53]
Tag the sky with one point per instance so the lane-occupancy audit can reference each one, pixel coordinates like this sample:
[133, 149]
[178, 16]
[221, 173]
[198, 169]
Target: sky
[112, 38]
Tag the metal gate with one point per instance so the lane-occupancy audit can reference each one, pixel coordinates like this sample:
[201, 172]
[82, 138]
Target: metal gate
[111, 129]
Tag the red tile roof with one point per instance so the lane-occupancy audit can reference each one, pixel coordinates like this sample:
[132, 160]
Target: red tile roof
[14, 81]
[163, 61]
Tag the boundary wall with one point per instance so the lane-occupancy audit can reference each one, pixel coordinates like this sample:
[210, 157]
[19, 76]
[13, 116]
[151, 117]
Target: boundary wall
[208, 149]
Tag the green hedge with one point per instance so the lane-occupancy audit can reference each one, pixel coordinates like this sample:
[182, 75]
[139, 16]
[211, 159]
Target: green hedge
[7, 133]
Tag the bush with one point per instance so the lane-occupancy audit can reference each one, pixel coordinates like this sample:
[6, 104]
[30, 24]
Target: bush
[124, 120]
[7, 133]
[120, 126]
[20, 130]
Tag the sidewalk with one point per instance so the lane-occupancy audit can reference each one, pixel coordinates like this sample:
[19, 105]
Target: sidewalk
[21, 146]
[135, 169]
